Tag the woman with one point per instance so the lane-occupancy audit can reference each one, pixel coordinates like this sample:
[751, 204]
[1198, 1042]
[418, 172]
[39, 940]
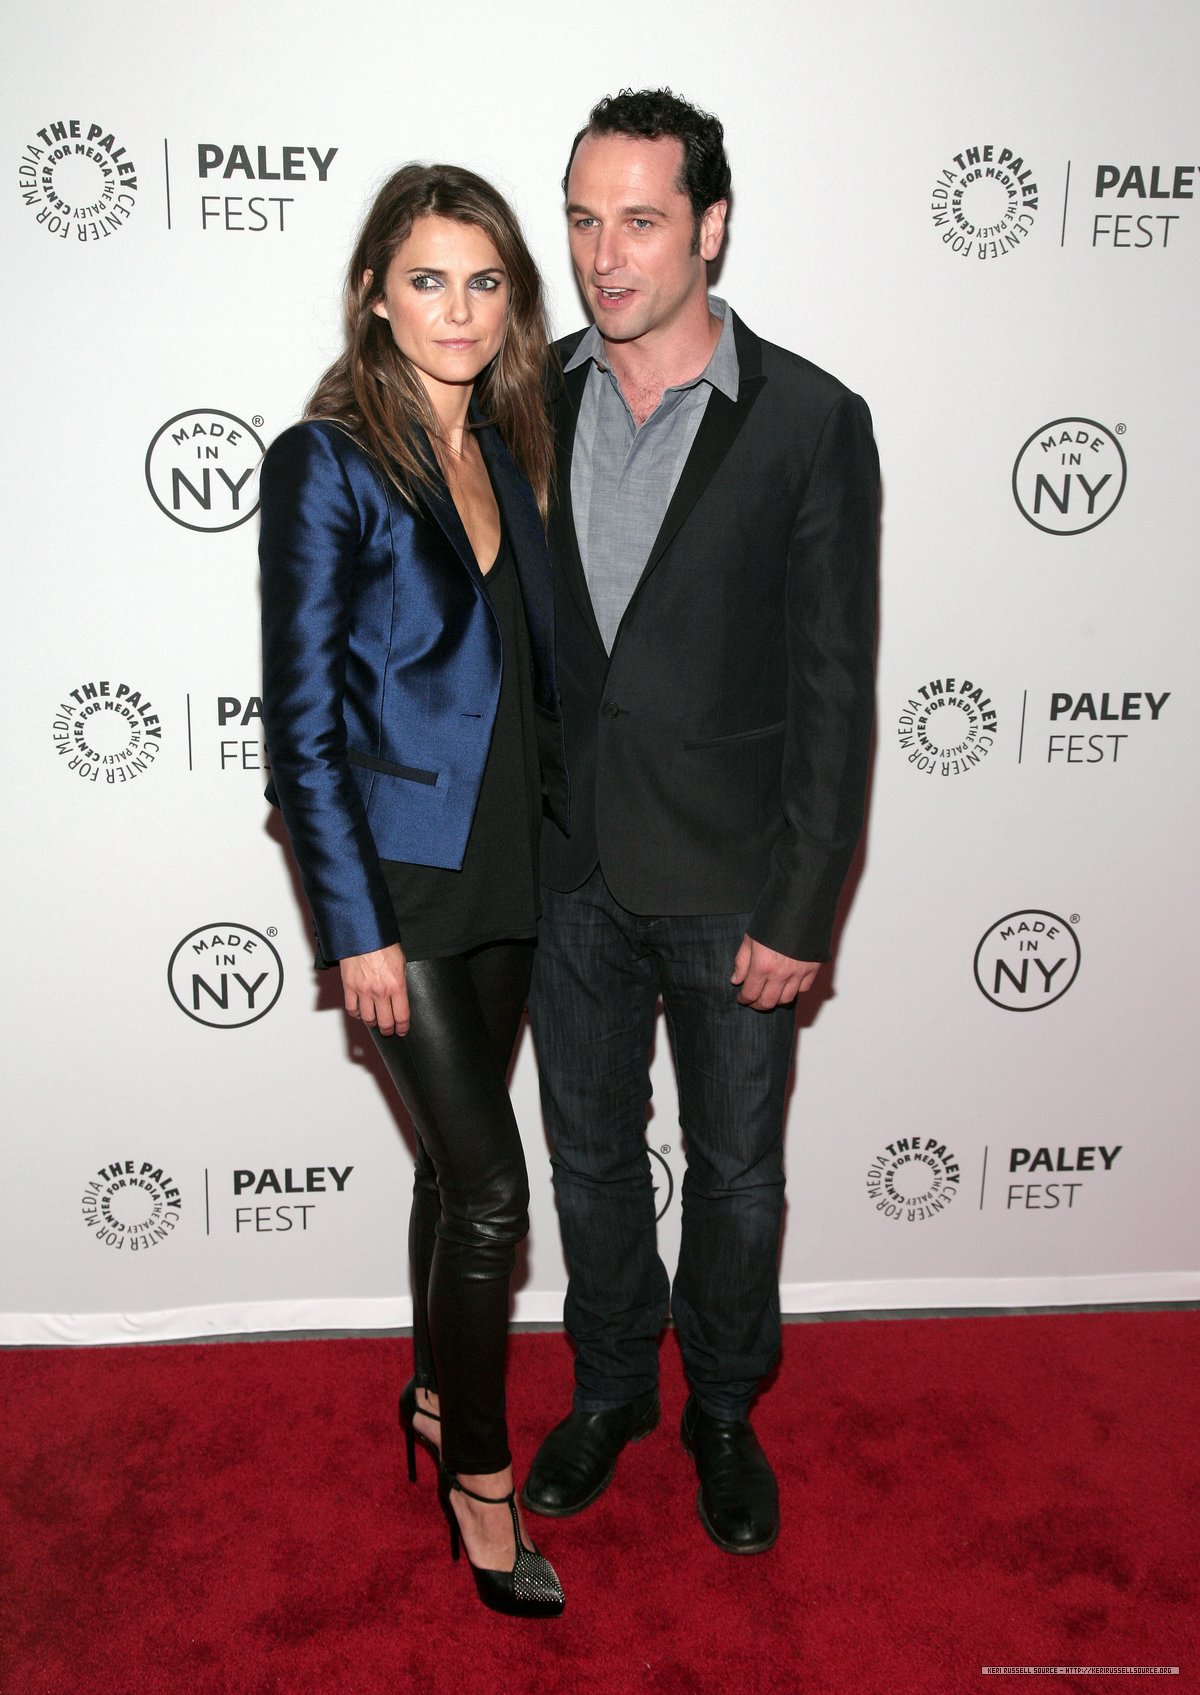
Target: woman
[412, 720]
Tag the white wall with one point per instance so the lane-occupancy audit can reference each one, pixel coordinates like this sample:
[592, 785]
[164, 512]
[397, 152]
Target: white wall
[843, 125]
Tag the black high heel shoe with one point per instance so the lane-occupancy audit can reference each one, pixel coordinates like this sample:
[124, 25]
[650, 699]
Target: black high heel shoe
[408, 1411]
[531, 1589]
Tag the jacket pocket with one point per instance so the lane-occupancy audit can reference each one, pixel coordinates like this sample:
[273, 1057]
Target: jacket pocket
[739, 736]
[412, 773]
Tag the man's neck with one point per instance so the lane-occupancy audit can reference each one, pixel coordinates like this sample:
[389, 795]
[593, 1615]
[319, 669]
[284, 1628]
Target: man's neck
[653, 364]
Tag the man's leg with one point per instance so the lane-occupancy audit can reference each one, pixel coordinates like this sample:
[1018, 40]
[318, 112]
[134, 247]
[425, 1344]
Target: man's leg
[732, 1066]
[592, 1008]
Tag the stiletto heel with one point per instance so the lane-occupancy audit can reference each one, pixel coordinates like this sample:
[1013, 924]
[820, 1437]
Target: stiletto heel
[531, 1589]
[408, 1411]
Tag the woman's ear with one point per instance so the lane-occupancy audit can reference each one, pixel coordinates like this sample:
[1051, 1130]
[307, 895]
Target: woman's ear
[379, 307]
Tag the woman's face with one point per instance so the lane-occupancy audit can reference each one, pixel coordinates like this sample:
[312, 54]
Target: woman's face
[446, 299]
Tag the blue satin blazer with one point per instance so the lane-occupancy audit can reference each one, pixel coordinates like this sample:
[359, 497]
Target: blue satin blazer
[381, 670]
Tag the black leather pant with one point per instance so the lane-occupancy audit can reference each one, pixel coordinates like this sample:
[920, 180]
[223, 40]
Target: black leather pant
[470, 1189]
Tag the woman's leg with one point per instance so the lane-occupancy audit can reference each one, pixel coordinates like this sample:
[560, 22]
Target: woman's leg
[450, 1072]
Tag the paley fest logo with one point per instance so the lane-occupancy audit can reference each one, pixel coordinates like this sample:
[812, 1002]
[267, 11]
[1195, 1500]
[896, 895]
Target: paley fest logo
[77, 179]
[240, 745]
[107, 732]
[983, 202]
[131, 1204]
[947, 726]
[225, 975]
[1127, 192]
[1050, 1179]
[260, 1216]
[1027, 960]
[914, 1178]
[250, 188]
[1072, 717]
[201, 468]
[1069, 475]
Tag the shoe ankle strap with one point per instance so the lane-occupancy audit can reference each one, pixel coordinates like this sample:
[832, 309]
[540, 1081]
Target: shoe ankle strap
[487, 1500]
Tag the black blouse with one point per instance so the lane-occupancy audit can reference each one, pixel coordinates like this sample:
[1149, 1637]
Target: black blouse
[494, 897]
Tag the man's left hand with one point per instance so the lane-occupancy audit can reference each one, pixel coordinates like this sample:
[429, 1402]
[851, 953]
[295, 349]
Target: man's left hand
[769, 979]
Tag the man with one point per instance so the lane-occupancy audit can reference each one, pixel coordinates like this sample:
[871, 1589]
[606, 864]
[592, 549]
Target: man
[714, 543]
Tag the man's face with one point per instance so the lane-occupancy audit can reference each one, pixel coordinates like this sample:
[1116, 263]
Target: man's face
[633, 237]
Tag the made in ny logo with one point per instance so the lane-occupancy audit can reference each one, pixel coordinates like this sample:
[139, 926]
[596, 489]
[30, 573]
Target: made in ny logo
[78, 180]
[1070, 475]
[1027, 960]
[202, 469]
[984, 202]
[107, 732]
[663, 1180]
[131, 1205]
[225, 975]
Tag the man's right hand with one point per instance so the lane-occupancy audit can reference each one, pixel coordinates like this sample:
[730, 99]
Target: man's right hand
[375, 989]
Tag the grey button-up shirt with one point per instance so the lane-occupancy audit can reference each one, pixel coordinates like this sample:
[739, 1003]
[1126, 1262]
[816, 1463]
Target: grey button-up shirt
[623, 477]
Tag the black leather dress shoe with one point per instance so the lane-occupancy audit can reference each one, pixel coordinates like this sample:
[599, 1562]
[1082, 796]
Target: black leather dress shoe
[738, 1499]
[575, 1463]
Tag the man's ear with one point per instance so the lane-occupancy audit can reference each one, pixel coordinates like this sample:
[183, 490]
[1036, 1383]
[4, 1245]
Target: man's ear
[712, 229]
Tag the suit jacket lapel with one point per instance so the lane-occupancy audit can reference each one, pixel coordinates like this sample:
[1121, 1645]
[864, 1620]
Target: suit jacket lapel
[719, 427]
[564, 541]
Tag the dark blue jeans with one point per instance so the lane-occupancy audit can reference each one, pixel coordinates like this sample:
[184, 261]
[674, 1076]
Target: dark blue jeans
[598, 973]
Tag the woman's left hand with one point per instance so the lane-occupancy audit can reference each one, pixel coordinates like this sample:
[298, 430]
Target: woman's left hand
[376, 990]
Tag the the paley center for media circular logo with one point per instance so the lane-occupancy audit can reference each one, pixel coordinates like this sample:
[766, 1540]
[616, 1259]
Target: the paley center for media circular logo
[78, 180]
[202, 469]
[1069, 476]
[225, 975]
[947, 726]
[914, 1178]
[984, 201]
[131, 1205]
[1027, 960]
[107, 731]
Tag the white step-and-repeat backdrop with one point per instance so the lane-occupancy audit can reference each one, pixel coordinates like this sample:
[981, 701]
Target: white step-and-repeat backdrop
[988, 222]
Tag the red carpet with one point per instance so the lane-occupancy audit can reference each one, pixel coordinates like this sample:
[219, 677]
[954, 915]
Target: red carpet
[235, 1520]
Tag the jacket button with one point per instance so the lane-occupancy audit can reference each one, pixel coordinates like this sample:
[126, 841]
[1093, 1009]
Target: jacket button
[611, 709]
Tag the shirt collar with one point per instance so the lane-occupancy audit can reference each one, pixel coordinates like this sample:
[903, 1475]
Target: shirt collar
[721, 372]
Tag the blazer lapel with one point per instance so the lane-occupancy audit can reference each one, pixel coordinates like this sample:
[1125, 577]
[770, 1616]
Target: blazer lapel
[719, 427]
[523, 521]
[439, 503]
[563, 538]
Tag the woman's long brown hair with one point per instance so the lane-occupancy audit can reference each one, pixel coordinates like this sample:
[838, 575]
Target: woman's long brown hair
[373, 390]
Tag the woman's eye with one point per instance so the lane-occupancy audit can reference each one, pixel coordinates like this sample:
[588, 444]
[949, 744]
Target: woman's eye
[486, 285]
[424, 285]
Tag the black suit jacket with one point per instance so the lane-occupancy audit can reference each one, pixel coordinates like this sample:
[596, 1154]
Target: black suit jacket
[719, 754]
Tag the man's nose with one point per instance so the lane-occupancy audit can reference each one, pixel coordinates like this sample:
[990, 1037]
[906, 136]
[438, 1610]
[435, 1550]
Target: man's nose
[609, 254]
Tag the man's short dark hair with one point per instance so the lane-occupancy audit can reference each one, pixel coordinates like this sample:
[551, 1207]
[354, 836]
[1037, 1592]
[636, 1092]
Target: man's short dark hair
[654, 112]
